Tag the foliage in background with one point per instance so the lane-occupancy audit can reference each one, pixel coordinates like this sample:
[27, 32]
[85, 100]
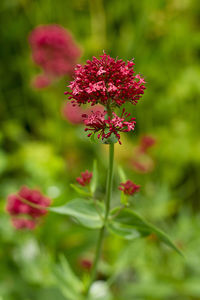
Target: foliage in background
[39, 148]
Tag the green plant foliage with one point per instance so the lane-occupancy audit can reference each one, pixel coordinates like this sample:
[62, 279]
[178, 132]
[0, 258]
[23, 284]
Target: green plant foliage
[129, 225]
[41, 149]
[70, 285]
[80, 191]
[85, 212]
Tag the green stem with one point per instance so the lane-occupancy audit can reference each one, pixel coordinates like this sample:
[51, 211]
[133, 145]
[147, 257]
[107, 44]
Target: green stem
[107, 209]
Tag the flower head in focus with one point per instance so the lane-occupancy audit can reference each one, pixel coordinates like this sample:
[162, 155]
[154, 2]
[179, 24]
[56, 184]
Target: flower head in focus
[106, 81]
[54, 50]
[96, 122]
[129, 187]
[26, 207]
[85, 178]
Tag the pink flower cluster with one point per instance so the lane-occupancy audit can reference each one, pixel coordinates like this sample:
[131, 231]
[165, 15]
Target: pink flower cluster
[74, 114]
[96, 122]
[142, 161]
[26, 207]
[146, 142]
[85, 178]
[129, 187]
[104, 81]
[54, 50]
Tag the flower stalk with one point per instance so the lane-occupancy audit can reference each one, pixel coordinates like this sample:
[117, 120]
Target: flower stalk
[107, 209]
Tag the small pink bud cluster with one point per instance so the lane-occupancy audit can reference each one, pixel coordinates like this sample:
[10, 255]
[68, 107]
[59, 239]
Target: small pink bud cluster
[54, 50]
[96, 122]
[85, 178]
[129, 188]
[26, 207]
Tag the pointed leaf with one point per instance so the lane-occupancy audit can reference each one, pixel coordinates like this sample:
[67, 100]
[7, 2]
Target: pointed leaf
[80, 190]
[126, 220]
[84, 211]
[69, 275]
[122, 174]
[67, 281]
[123, 231]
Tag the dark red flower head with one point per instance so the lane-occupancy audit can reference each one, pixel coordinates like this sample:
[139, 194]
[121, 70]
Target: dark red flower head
[129, 187]
[85, 178]
[54, 50]
[106, 80]
[26, 207]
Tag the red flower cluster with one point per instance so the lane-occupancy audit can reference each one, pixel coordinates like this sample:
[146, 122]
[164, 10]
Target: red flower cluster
[129, 187]
[104, 81]
[26, 207]
[54, 50]
[85, 178]
[96, 122]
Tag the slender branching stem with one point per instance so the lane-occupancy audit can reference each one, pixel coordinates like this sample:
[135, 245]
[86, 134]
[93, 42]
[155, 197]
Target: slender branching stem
[107, 209]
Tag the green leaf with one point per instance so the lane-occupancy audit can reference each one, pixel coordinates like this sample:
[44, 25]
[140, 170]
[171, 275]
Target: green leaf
[94, 177]
[84, 211]
[80, 190]
[122, 174]
[73, 280]
[123, 231]
[124, 199]
[67, 281]
[127, 220]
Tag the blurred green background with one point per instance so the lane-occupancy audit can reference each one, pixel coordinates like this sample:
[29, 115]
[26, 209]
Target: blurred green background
[39, 148]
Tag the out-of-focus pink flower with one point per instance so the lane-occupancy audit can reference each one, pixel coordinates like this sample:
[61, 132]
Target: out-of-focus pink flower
[96, 122]
[142, 161]
[104, 81]
[26, 207]
[85, 178]
[129, 187]
[21, 223]
[146, 142]
[41, 81]
[74, 114]
[54, 50]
